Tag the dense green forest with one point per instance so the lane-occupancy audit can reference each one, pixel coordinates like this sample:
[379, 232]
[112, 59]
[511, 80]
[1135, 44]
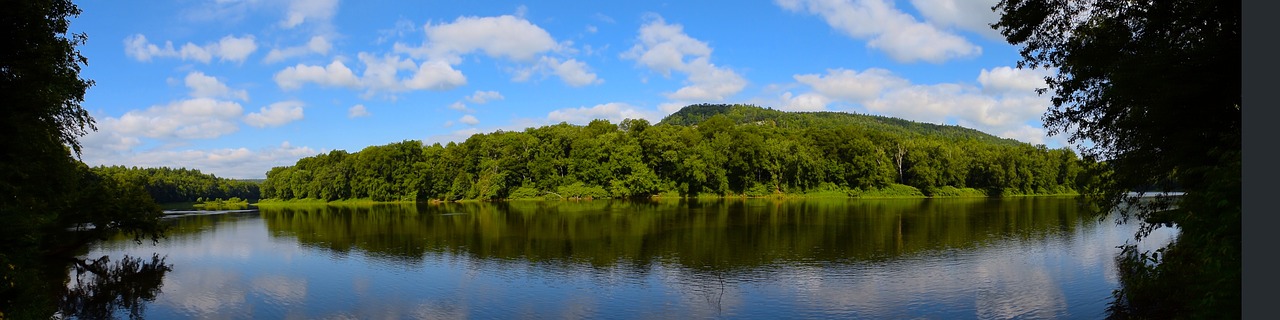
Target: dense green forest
[716, 150]
[167, 185]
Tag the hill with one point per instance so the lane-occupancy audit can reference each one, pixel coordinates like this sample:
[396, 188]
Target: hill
[747, 114]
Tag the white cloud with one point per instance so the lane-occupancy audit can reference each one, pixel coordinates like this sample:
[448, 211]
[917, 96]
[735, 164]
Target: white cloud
[235, 49]
[317, 45]
[1011, 80]
[198, 118]
[852, 85]
[436, 75]
[886, 28]
[804, 102]
[300, 11]
[229, 48]
[458, 105]
[482, 97]
[203, 86]
[110, 141]
[614, 112]
[469, 120]
[503, 36]
[972, 15]
[357, 111]
[403, 26]
[1003, 105]
[572, 72]
[381, 74]
[671, 107]
[664, 48]
[276, 114]
[336, 74]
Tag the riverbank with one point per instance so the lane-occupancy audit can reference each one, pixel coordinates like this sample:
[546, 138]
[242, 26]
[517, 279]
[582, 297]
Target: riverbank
[896, 191]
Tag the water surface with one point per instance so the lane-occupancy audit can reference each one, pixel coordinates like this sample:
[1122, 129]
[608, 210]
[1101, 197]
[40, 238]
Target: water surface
[1037, 257]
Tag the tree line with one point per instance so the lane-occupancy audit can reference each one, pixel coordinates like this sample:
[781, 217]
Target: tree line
[168, 185]
[717, 150]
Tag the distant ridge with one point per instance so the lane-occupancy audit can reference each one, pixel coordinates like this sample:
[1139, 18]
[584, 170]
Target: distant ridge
[741, 114]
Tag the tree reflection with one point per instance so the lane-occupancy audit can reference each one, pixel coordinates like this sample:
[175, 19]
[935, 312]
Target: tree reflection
[101, 288]
[701, 235]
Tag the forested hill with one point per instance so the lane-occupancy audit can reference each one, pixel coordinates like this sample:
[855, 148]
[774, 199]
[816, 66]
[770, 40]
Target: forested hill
[780, 153]
[749, 114]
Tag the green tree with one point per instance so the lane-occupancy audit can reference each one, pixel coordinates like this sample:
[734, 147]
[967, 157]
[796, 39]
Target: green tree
[45, 190]
[1153, 89]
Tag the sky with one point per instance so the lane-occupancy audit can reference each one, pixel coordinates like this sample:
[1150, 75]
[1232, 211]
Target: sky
[235, 87]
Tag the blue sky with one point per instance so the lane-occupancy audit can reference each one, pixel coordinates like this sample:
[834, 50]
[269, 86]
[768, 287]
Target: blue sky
[235, 87]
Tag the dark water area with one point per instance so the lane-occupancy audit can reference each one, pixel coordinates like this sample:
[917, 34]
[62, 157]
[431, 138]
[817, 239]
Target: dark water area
[1034, 257]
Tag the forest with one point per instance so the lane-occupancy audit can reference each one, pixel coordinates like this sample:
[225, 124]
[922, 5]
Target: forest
[701, 150]
[168, 185]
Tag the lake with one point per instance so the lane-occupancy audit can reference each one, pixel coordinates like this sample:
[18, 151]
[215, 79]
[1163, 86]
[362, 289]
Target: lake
[1023, 257]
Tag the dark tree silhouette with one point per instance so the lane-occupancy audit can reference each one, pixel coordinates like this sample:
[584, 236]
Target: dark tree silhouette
[51, 204]
[1153, 89]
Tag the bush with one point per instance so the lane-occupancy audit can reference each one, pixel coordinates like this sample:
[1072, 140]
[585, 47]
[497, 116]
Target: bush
[582, 191]
[524, 193]
[890, 191]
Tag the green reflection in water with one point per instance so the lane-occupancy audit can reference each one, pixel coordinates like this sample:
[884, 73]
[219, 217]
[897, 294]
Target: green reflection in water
[701, 235]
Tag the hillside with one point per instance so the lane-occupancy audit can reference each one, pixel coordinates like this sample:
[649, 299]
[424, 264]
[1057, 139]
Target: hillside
[746, 114]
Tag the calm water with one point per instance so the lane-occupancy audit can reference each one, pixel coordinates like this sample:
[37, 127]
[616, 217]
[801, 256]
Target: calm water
[919, 258]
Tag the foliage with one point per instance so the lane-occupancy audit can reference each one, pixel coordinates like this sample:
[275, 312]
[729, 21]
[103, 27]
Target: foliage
[168, 185]
[220, 204]
[889, 191]
[1176, 131]
[734, 151]
[52, 204]
[949, 191]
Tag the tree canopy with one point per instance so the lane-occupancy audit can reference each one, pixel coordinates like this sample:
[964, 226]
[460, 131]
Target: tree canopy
[1153, 89]
[717, 150]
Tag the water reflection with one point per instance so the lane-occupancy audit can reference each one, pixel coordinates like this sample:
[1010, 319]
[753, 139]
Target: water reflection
[985, 258]
[709, 235]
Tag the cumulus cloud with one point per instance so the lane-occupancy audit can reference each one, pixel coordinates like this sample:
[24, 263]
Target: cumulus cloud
[482, 97]
[613, 112]
[1013, 80]
[229, 48]
[664, 48]
[804, 102]
[458, 105]
[300, 11]
[502, 36]
[203, 86]
[381, 74]
[198, 118]
[336, 74]
[850, 84]
[573, 72]
[469, 120]
[435, 75]
[508, 37]
[357, 111]
[886, 28]
[317, 45]
[276, 114]
[1003, 104]
[972, 15]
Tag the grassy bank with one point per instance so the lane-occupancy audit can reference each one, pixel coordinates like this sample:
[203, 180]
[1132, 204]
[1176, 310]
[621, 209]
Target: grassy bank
[577, 193]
